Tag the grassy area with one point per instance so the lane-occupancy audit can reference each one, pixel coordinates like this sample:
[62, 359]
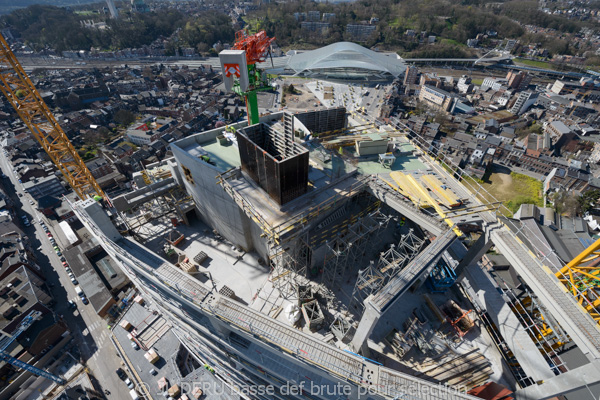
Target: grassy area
[512, 190]
[452, 42]
[534, 63]
[477, 82]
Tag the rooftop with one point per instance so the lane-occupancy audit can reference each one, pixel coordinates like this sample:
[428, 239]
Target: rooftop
[346, 55]
[174, 362]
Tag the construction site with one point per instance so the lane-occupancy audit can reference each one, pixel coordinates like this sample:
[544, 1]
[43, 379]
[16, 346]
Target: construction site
[290, 227]
[343, 258]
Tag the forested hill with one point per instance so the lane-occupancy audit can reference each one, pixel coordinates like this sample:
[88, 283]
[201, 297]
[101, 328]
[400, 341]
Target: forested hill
[451, 21]
[7, 6]
[43, 26]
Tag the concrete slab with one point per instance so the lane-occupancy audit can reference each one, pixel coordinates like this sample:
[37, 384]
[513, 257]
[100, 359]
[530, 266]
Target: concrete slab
[239, 271]
[225, 156]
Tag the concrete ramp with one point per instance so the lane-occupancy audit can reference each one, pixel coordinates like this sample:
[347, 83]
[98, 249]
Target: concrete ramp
[488, 298]
[418, 267]
[385, 193]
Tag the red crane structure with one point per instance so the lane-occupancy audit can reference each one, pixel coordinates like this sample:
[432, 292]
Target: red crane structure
[256, 48]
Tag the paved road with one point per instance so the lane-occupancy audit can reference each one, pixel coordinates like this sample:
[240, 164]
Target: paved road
[89, 330]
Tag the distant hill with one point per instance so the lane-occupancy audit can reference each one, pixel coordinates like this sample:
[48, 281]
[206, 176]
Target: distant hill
[6, 6]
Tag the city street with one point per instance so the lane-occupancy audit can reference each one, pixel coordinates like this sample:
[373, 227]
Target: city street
[91, 335]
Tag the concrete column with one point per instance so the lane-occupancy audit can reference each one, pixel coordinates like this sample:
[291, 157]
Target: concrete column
[476, 251]
[365, 327]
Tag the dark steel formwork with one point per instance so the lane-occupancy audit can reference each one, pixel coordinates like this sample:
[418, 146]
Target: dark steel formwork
[274, 161]
[319, 121]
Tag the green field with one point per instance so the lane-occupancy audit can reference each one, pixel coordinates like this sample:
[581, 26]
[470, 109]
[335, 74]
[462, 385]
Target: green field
[477, 82]
[512, 190]
[534, 63]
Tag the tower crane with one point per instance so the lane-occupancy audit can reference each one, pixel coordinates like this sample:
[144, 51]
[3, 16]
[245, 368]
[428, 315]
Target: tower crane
[248, 50]
[33, 111]
[7, 341]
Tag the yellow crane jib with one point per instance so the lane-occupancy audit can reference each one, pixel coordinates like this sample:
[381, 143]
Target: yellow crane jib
[29, 105]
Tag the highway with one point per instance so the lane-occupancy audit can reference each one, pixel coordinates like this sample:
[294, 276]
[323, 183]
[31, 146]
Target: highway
[88, 329]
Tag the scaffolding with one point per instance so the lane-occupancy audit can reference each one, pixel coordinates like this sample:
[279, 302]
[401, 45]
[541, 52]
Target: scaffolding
[370, 280]
[390, 263]
[289, 266]
[350, 246]
[398, 256]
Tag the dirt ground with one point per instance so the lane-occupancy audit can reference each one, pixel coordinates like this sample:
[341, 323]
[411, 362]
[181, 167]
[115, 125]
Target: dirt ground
[303, 101]
[511, 191]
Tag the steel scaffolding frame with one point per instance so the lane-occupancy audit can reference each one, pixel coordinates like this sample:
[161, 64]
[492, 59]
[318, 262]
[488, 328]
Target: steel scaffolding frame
[289, 265]
[398, 256]
[351, 245]
[370, 280]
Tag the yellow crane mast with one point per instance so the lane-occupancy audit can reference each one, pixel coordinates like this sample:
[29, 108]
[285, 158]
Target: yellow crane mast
[26, 100]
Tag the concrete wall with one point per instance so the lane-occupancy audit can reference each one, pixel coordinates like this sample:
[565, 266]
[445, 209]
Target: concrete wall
[371, 147]
[217, 209]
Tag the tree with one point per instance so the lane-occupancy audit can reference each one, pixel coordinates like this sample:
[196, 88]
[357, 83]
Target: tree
[124, 117]
[589, 200]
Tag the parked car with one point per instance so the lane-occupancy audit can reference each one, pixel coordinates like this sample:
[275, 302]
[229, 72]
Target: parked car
[121, 374]
[135, 346]
[129, 384]
[72, 304]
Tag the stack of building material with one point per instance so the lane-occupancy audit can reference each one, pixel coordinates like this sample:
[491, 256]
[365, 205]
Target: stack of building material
[152, 356]
[200, 258]
[162, 384]
[197, 393]
[467, 370]
[139, 299]
[125, 324]
[187, 266]
[174, 391]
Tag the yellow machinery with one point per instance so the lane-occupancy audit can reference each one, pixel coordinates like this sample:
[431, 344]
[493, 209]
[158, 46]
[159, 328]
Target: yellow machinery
[581, 277]
[24, 97]
[446, 196]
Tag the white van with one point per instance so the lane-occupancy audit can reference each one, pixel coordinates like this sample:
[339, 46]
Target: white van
[134, 394]
[78, 290]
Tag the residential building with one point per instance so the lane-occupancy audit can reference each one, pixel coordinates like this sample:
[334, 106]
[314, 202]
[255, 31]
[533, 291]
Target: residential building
[313, 15]
[557, 129]
[523, 102]
[563, 87]
[360, 32]
[313, 26]
[410, 75]
[430, 80]
[44, 186]
[518, 80]
[328, 17]
[493, 83]
[436, 98]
